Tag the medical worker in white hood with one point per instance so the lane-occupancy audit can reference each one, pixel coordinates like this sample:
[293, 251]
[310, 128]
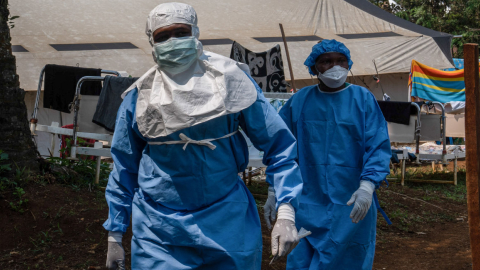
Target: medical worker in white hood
[343, 154]
[177, 153]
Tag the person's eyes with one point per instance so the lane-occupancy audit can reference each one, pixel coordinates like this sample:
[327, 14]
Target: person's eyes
[183, 33]
[160, 38]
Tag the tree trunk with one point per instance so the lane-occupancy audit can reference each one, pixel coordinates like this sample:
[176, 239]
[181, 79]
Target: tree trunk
[15, 136]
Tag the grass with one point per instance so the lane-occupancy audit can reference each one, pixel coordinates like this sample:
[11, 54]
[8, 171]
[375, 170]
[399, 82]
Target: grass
[434, 192]
[403, 211]
[406, 216]
[258, 188]
[41, 241]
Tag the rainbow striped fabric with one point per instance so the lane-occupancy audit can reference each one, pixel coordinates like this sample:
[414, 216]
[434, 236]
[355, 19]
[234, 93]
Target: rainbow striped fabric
[436, 85]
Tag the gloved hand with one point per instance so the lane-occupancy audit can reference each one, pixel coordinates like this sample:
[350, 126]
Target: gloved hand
[362, 199]
[284, 235]
[116, 254]
[269, 209]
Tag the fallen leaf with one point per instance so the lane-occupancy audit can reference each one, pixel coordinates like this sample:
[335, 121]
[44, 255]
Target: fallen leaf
[91, 251]
[14, 253]
[421, 233]
[94, 246]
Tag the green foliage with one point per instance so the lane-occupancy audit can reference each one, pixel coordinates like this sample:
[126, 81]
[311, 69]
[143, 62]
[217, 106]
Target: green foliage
[19, 179]
[4, 169]
[21, 174]
[407, 219]
[456, 17]
[11, 22]
[41, 241]
[258, 188]
[20, 203]
[77, 173]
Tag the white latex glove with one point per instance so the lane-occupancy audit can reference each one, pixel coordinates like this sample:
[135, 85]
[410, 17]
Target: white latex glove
[284, 235]
[363, 200]
[116, 254]
[269, 211]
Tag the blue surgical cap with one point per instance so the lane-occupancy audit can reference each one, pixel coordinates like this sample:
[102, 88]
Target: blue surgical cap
[326, 46]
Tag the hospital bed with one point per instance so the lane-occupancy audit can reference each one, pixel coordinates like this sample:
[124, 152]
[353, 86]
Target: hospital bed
[429, 127]
[83, 127]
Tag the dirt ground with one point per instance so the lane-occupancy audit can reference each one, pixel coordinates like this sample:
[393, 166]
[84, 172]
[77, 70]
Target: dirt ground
[434, 234]
[61, 228]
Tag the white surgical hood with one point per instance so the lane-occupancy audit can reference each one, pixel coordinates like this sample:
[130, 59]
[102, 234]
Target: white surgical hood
[211, 87]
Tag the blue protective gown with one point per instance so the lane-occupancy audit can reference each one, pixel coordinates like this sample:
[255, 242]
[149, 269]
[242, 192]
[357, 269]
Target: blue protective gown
[190, 209]
[342, 139]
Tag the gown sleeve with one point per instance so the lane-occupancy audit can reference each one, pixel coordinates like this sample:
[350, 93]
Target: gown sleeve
[268, 133]
[127, 147]
[287, 116]
[376, 160]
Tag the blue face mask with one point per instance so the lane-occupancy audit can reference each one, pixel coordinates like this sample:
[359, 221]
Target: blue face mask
[176, 54]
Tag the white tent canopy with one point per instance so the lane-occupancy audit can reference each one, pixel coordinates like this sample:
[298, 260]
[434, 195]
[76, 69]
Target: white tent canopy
[111, 35]
[369, 32]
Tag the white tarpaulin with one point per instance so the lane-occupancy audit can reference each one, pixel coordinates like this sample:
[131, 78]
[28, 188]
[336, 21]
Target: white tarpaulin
[369, 32]
[111, 35]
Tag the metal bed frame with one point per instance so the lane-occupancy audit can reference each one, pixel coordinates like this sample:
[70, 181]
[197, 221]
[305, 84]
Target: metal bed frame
[444, 157]
[55, 129]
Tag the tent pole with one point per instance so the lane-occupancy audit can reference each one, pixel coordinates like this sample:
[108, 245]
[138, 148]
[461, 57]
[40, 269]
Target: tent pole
[292, 79]
[472, 143]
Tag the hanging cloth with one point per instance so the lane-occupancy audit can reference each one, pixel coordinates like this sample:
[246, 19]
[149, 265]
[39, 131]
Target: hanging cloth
[61, 84]
[396, 111]
[266, 68]
[110, 100]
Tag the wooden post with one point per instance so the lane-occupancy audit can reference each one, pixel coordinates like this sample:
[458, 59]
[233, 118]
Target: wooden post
[288, 59]
[249, 176]
[472, 120]
[99, 163]
[404, 160]
[52, 143]
[403, 172]
[455, 171]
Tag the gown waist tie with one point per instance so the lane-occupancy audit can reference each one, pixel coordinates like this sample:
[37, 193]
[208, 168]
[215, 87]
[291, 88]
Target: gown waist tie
[186, 140]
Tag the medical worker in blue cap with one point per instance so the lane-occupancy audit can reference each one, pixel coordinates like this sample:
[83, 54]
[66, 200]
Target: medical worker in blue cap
[177, 153]
[343, 154]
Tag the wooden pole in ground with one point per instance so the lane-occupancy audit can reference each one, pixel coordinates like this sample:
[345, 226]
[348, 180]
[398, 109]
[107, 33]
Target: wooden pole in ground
[249, 176]
[472, 143]
[292, 79]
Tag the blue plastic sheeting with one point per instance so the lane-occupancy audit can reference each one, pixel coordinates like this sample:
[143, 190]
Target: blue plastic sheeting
[458, 62]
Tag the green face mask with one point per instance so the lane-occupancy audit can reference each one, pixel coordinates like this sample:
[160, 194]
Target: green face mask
[176, 54]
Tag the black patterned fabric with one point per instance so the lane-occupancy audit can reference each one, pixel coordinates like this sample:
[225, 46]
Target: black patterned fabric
[266, 68]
